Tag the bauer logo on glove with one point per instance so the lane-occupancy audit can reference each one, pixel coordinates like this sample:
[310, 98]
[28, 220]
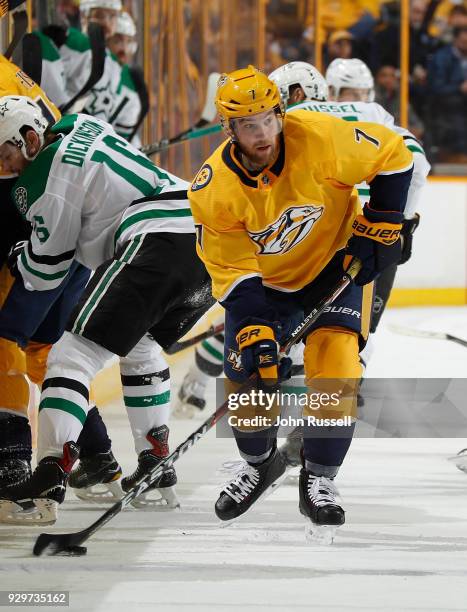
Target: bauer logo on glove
[376, 243]
[386, 233]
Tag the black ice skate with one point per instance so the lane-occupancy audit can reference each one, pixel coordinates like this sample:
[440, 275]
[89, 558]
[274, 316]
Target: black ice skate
[147, 461]
[318, 503]
[249, 485]
[35, 499]
[97, 478]
[13, 471]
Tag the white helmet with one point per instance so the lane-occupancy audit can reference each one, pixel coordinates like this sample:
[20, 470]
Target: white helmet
[126, 25]
[307, 76]
[15, 113]
[351, 74]
[87, 5]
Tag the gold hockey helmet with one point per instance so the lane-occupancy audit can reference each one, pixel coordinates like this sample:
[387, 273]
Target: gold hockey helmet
[246, 92]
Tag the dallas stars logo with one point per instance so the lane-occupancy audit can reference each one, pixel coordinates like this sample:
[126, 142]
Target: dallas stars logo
[100, 102]
[3, 108]
[21, 199]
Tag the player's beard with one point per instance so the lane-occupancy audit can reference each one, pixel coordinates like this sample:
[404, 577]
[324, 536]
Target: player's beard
[254, 159]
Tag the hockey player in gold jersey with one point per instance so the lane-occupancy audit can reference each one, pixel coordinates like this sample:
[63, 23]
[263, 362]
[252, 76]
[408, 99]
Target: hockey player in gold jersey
[278, 219]
[29, 323]
[14, 362]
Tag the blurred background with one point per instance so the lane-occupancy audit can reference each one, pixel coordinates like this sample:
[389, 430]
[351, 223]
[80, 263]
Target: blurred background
[416, 50]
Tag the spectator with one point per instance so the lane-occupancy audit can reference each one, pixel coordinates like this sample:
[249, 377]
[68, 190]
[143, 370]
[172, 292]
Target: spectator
[447, 80]
[357, 16]
[385, 46]
[339, 44]
[387, 93]
[443, 16]
[457, 19]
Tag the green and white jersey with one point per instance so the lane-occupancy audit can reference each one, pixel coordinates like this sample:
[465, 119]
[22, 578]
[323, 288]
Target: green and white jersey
[373, 112]
[127, 107]
[77, 58]
[53, 73]
[75, 192]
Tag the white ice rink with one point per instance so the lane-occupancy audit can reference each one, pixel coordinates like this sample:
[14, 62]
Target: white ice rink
[403, 547]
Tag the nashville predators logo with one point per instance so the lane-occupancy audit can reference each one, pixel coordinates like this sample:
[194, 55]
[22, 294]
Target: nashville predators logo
[290, 229]
[203, 177]
[234, 359]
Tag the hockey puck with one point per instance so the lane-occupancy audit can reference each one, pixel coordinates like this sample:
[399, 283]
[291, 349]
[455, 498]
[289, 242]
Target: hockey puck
[75, 551]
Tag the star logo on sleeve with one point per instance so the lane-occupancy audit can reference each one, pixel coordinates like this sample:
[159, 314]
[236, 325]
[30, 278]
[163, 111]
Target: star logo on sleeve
[3, 108]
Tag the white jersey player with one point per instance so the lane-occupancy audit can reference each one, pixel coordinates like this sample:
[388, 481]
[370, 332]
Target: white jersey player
[351, 95]
[86, 164]
[93, 197]
[53, 73]
[128, 108]
[76, 57]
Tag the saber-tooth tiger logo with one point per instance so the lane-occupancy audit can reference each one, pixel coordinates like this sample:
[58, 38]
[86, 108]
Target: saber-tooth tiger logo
[290, 229]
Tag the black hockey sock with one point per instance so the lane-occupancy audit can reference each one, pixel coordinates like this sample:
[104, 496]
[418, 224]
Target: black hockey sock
[93, 438]
[15, 437]
[383, 286]
[256, 447]
[327, 451]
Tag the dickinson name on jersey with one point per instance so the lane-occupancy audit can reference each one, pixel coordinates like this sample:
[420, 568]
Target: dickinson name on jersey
[61, 193]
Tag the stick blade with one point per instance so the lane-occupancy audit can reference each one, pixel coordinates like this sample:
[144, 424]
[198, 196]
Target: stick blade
[416, 333]
[210, 111]
[55, 543]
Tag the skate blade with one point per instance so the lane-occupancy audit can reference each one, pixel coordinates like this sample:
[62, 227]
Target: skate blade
[43, 512]
[322, 535]
[106, 492]
[269, 491]
[166, 501]
[460, 461]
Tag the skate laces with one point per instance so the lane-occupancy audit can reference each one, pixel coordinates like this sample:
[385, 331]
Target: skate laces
[231, 467]
[245, 479]
[321, 490]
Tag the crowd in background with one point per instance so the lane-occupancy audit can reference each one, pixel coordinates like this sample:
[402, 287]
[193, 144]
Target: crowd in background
[370, 31]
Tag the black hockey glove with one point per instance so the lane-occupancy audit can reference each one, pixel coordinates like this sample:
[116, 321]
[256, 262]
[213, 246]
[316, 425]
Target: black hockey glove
[259, 352]
[375, 242]
[13, 255]
[408, 228]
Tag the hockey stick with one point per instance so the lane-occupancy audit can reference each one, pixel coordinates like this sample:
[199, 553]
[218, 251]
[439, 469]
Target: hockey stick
[98, 51]
[142, 91]
[422, 333]
[20, 23]
[208, 115]
[67, 542]
[165, 143]
[184, 344]
[32, 57]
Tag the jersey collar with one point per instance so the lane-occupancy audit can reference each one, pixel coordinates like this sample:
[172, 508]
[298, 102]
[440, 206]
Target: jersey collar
[263, 179]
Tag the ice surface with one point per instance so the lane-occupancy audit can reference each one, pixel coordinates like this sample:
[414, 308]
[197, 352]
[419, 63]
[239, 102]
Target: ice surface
[404, 545]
